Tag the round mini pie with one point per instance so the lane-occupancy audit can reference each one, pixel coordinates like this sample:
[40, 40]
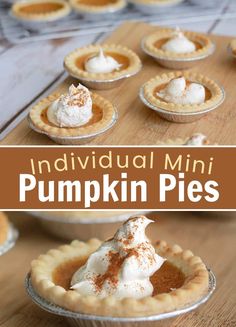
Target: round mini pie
[232, 48]
[152, 45]
[40, 10]
[182, 280]
[214, 96]
[4, 228]
[97, 7]
[75, 65]
[104, 115]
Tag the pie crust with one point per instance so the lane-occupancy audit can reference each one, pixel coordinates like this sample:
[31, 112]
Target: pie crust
[194, 287]
[153, 42]
[97, 6]
[133, 62]
[233, 47]
[216, 94]
[4, 228]
[104, 111]
[40, 10]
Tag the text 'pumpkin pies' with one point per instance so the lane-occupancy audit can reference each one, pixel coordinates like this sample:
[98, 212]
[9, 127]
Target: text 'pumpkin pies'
[93, 8]
[125, 276]
[102, 66]
[74, 117]
[182, 96]
[177, 49]
[40, 10]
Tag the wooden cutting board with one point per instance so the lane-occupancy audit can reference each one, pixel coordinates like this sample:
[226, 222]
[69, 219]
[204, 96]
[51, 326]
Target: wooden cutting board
[209, 235]
[138, 125]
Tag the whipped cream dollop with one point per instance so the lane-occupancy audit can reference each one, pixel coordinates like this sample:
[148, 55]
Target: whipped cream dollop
[179, 43]
[73, 109]
[101, 64]
[122, 266]
[196, 139]
[178, 91]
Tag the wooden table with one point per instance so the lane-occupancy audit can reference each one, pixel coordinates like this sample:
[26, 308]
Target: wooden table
[209, 235]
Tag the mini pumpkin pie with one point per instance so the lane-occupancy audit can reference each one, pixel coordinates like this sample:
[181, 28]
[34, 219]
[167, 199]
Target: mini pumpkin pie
[4, 228]
[97, 8]
[125, 276]
[40, 10]
[154, 6]
[74, 117]
[232, 48]
[102, 66]
[181, 96]
[177, 49]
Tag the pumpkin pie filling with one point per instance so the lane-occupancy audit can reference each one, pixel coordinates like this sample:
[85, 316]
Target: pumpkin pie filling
[40, 8]
[164, 280]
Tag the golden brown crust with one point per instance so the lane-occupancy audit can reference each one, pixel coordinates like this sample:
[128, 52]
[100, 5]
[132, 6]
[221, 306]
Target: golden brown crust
[52, 15]
[150, 40]
[194, 287]
[107, 116]
[4, 228]
[216, 92]
[134, 62]
[83, 7]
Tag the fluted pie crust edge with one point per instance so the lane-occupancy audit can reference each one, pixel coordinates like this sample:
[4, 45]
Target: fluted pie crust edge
[194, 287]
[4, 228]
[215, 90]
[107, 117]
[133, 68]
[150, 40]
[47, 16]
[83, 7]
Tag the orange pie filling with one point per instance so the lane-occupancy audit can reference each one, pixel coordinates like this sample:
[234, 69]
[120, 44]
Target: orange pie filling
[121, 59]
[40, 8]
[161, 87]
[164, 280]
[96, 117]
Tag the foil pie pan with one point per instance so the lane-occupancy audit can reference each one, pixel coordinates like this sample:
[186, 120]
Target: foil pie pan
[152, 9]
[85, 320]
[107, 13]
[178, 63]
[82, 228]
[75, 140]
[179, 117]
[11, 240]
[103, 84]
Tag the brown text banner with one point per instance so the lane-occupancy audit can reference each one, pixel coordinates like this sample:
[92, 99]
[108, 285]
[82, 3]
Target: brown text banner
[117, 178]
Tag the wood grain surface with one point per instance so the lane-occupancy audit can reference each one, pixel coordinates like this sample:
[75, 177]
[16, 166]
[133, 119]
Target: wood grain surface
[138, 125]
[209, 235]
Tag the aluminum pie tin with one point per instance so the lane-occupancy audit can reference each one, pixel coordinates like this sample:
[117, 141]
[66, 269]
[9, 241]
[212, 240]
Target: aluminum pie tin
[11, 240]
[70, 228]
[152, 9]
[178, 63]
[75, 140]
[85, 320]
[105, 84]
[180, 117]
[102, 14]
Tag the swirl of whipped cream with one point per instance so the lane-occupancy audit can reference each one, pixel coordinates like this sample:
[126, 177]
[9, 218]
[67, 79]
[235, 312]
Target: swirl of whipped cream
[197, 139]
[73, 109]
[122, 266]
[101, 64]
[179, 92]
[179, 43]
